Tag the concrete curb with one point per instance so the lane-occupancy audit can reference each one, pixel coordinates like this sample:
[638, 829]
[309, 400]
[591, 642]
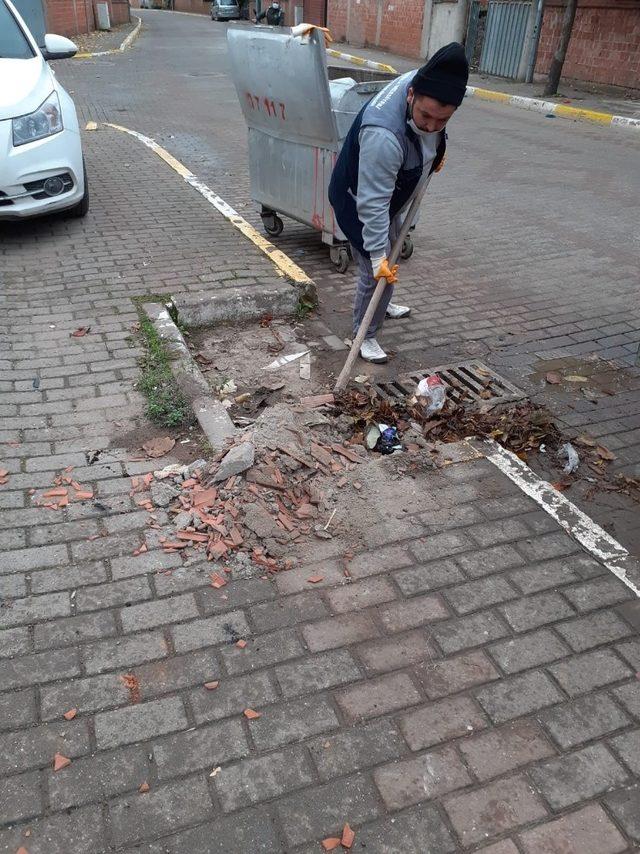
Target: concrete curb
[249, 303]
[128, 41]
[210, 413]
[552, 108]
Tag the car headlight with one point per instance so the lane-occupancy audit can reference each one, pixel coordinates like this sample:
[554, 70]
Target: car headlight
[45, 121]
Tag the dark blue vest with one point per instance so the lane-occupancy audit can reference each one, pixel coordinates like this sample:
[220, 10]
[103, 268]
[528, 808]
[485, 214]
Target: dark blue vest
[343, 186]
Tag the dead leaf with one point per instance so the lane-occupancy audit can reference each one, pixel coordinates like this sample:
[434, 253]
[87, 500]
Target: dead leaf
[560, 485]
[211, 686]
[60, 762]
[348, 837]
[314, 579]
[485, 394]
[80, 332]
[144, 788]
[605, 453]
[251, 714]
[70, 715]
[586, 440]
[158, 447]
[553, 378]
[330, 843]
[241, 643]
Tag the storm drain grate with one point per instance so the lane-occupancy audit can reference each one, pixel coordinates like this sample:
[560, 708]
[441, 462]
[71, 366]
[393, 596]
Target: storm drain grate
[467, 382]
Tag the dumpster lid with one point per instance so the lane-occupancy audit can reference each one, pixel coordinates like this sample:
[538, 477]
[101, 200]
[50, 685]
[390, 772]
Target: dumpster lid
[282, 84]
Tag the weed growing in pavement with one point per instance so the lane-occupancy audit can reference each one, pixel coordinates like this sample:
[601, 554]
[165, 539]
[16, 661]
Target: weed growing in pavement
[166, 404]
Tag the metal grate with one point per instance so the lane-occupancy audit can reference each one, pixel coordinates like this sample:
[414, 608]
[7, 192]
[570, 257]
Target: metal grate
[467, 382]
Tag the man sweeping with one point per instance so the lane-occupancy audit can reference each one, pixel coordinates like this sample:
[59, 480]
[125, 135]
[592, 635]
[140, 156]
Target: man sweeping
[396, 137]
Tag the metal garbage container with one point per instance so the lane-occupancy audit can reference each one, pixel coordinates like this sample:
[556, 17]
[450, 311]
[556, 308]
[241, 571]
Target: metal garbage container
[297, 119]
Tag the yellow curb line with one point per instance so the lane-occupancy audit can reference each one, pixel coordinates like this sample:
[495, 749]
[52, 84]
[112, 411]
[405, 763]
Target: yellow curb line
[285, 265]
[128, 41]
[359, 60]
[551, 107]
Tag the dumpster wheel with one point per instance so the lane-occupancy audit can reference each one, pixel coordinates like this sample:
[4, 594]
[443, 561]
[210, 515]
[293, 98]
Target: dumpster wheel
[273, 226]
[340, 257]
[407, 248]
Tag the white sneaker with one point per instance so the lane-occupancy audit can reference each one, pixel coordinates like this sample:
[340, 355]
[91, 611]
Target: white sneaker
[371, 351]
[396, 311]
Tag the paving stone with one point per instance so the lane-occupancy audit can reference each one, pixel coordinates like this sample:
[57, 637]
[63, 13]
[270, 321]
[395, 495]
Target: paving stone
[113, 595]
[466, 632]
[547, 575]
[294, 721]
[287, 611]
[317, 672]
[582, 673]
[598, 593]
[498, 531]
[629, 696]
[596, 629]
[13, 586]
[421, 579]
[123, 652]
[70, 630]
[505, 748]
[416, 829]
[162, 810]
[298, 581]
[152, 561]
[527, 651]
[548, 546]
[261, 778]
[80, 831]
[17, 709]
[14, 642]
[378, 656]
[630, 651]
[518, 696]
[35, 747]
[139, 723]
[381, 560]
[587, 831]
[232, 697]
[590, 717]
[209, 631]
[482, 593]
[456, 674]
[160, 612]
[627, 747]
[531, 612]
[625, 806]
[409, 781]
[479, 563]
[410, 613]
[28, 611]
[262, 651]
[444, 519]
[353, 749]
[339, 631]
[378, 696]
[493, 809]
[578, 776]
[96, 778]
[506, 846]
[38, 668]
[25, 560]
[440, 545]
[441, 721]
[321, 811]
[251, 830]
[202, 749]
[360, 594]
[20, 797]
[630, 611]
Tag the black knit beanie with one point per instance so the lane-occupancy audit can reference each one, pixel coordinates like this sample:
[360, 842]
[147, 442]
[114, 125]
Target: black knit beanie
[445, 75]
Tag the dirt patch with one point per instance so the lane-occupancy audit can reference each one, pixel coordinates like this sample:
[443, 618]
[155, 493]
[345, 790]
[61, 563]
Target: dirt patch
[190, 442]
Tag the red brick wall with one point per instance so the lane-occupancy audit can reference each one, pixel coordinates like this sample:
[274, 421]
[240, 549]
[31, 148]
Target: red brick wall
[70, 17]
[401, 24]
[604, 46]
[195, 6]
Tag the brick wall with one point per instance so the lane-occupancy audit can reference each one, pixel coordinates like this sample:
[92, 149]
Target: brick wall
[71, 17]
[197, 7]
[394, 25]
[605, 44]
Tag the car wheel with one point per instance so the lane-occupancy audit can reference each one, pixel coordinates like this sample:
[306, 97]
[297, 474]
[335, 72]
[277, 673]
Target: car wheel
[81, 209]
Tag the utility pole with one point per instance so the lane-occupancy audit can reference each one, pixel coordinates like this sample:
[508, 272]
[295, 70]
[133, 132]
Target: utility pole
[561, 51]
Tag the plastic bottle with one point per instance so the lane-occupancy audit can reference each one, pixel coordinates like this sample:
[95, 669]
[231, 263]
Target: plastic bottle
[432, 394]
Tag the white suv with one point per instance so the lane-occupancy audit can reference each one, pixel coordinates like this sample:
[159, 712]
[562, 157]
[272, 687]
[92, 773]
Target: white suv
[41, 164]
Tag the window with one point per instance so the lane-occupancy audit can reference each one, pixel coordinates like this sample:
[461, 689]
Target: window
[13, 42]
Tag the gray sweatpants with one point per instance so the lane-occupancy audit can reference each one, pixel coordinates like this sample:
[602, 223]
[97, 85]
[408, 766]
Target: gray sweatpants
[366, 285]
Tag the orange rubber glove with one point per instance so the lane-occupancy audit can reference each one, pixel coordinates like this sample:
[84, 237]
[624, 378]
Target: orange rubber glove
[384, 271]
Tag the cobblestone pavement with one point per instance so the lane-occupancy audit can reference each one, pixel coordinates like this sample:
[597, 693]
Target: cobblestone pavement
[473, 685]
[527, 249]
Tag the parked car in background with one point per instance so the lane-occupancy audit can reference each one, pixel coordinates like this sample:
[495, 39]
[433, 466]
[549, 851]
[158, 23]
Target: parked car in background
[225, 10]
[41, 165]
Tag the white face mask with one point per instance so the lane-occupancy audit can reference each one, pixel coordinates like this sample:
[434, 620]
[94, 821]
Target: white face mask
[414, 127]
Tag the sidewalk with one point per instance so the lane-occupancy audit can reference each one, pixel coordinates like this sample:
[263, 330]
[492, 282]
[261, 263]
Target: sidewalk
[585, 96]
